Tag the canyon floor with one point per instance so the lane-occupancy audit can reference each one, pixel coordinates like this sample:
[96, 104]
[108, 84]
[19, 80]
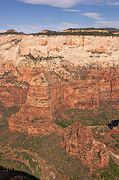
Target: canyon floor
[45, 156]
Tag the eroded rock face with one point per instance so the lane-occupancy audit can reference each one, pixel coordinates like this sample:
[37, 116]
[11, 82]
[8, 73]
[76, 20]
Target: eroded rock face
[45, 75]
[79, 50]
[44, 94]
[79, 142]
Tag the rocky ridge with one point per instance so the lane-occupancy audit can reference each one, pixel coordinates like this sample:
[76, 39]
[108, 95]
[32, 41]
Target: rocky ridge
[79, 142]
[45, 75]
[79, 50]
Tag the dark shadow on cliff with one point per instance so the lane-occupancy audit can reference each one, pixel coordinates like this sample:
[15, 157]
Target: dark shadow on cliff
[6, 174]
[113, 123]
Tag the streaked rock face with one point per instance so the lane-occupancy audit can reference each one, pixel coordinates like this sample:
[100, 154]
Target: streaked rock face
[45, 75]
[79, 50]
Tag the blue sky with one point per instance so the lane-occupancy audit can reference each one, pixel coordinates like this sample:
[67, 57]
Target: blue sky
[32, 16]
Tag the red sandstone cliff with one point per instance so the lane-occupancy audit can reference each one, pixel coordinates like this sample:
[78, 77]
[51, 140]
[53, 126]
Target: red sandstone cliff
[79, 142]
[45, 75]
[43, 95]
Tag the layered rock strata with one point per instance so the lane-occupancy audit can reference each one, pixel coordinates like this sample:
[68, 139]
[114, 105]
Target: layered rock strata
[43, 95]
[79, 50]
[45, 75]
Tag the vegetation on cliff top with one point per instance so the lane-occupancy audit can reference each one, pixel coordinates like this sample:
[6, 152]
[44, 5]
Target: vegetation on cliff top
[89, 117]
[111, 32]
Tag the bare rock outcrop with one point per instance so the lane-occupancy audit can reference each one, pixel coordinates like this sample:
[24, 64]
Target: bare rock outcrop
[79, 142]
[79, 50]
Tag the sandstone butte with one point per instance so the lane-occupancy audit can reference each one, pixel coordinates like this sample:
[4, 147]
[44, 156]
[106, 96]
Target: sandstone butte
[45, 75]
[79, 142]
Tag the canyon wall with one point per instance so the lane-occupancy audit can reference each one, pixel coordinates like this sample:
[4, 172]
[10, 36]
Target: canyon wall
[45, 75]
[78, 50]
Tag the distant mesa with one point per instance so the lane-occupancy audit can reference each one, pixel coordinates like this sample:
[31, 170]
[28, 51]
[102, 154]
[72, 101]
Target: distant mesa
[73, 31]
[48, 31]
[116, 33]
[45, 31]
[85, 30]
[22, 33]
[11, 31]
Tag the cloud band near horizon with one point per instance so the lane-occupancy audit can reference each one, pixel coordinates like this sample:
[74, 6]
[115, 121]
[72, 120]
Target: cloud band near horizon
[69, 3]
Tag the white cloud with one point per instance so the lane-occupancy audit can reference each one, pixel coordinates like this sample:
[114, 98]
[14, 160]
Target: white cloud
[2, 30]
[114, 3]
[55, 3]
[70, 3]
[71, 10]
[107, 24]
[93, 16]
[38, 28]
[26, 28]
[59, 27]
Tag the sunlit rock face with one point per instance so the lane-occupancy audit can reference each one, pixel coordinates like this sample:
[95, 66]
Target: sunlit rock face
[79, 50]
[45, 75]
[79, 142]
